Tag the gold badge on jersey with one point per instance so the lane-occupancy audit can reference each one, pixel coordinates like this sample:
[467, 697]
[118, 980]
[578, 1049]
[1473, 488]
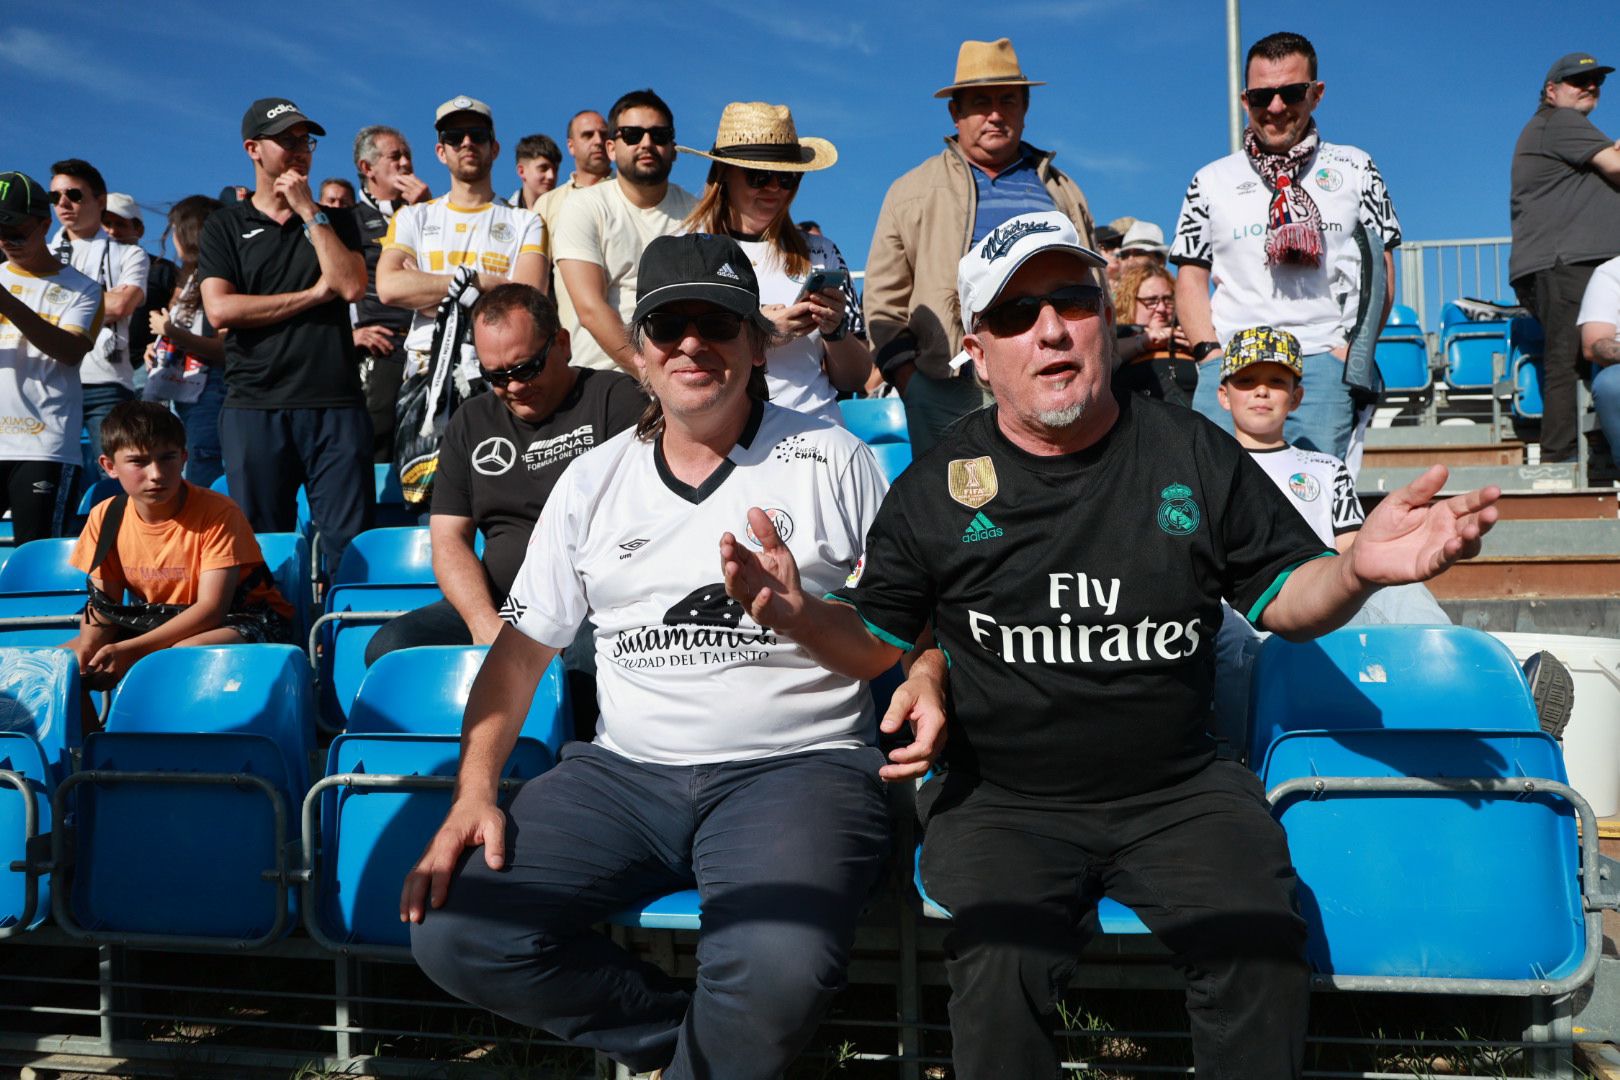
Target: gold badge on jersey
[972, 481]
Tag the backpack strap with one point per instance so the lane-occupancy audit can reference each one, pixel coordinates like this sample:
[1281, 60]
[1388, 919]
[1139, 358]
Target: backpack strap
[110, 522]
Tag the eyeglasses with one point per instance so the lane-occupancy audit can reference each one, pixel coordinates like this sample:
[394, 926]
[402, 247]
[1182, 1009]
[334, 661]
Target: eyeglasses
[1259, 97]
[758, 179]
[662, 135]
[1016, 316]
[669, 327]
[1586, 82]
[1167, 300]
[521, 372]
[293, 143]
[454, 136]
[74, 195]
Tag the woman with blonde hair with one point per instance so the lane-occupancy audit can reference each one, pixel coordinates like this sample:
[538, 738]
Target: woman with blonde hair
[1154, 353]
[758, 163]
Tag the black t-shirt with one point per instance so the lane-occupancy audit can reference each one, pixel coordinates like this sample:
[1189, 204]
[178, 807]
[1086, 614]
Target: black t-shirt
[160, 279]
[371, 311]
[1077, 597]
[306, 361]
[499, 470]
[1563, 209]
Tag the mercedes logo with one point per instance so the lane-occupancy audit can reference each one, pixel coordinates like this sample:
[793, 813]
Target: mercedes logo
[494, 456]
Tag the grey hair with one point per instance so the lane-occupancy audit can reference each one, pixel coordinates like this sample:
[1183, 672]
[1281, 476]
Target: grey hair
[365, 142]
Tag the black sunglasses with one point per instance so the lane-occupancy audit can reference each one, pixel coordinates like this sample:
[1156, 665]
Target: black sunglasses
[454, 136]
[1586, 82]
[662, 135]
[73, 194]
[669, 327]
[521, 372]
[761, 178]
[1259, 97]
[1016, 316]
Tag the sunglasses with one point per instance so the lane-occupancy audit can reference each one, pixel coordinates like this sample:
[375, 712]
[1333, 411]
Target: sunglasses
[1016, 316]
[1259, 97]
[293, 143]
[662, 135]
[1586, 82]
[669, 327]
[454, 136]
[521, 372]
[74, 195]
[761, 178]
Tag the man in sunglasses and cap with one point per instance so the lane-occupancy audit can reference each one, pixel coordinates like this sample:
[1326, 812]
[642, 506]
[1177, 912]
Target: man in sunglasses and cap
[724, 758]
[1279, 226]
[1566, 221]
[1070, 549]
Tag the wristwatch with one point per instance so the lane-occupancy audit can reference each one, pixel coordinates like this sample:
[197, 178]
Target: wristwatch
[320, 218]
[838, 331]
[1203, 349]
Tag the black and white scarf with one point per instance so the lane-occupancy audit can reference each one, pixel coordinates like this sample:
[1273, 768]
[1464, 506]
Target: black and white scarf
[1294, 224]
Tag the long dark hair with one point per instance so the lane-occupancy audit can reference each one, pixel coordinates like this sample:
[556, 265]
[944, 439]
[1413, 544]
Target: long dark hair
[651, 423]
[186, 219]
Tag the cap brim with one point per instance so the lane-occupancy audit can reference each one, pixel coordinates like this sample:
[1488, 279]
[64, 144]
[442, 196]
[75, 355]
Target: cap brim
[947, 91]
[1085, 254]
[732, 298]
[820, 154]
[287, 120]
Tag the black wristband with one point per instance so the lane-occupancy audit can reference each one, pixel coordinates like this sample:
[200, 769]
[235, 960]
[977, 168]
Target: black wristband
[1203, 349]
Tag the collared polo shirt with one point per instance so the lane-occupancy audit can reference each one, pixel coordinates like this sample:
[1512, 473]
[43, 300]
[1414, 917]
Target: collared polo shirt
[1015, 190]
[306, 361]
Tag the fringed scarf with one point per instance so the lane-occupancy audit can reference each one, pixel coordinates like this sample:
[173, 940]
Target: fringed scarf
[1294, 226]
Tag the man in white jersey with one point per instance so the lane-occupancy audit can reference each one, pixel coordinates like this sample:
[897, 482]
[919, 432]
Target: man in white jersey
[603, 230]
[107, 376]
[1275, 227]
[724, 757]
[50, 315]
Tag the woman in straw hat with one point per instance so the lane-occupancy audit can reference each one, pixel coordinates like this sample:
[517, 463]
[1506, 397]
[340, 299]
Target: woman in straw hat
[759, 160]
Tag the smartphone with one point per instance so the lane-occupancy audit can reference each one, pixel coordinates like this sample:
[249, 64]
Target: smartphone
[820, 280]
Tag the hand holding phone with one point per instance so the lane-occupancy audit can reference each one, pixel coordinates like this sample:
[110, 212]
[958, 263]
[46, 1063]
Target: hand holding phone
[821, 280]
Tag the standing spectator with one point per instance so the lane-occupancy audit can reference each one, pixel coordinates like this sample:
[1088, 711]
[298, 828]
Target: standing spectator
[194, 375]
[437, 257]
[1274, 226]
[935, 213]
[538, 160]
[1599, 322]
[588, 138]
[50, 315]
[1142, 245]
[278, 274]
[810, 228]
[337, 192]
[600, 239]
[123, 222]
[759, 161]
[107, 374]
[1153, 349]
[1566, 220]
[1108, 239]
[388, 180]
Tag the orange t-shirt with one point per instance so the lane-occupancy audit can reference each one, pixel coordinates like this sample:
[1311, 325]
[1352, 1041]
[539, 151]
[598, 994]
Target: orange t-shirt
[161, 562]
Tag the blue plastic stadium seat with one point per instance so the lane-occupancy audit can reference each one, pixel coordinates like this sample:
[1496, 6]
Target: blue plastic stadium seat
[400, 556]
[423, 691]
[342, 642]
[892, 458]
[1470, 346]
[37, 582]
[42, 566]
[287, 557]
[1403, 361]
[391, 508]
[39, 729]
[1403, 319]
[98, 492]
[1113, 917]
[1526, 342]
[876, 420]
[678, 911]
[39, 699]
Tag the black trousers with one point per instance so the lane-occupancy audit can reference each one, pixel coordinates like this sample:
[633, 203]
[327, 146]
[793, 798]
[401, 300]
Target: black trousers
[1554, 297]
[41, 495]
[1202, 863]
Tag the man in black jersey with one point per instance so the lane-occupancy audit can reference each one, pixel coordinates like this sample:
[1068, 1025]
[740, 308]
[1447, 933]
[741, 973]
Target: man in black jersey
[1069, 550]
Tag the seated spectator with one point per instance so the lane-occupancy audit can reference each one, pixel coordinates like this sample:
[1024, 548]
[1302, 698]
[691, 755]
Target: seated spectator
[1154, 353]
[186, 359]
[1142, 245]
[538, 160]
[1599, 322]
[337, 192]
[186, 556]
[725, 757]
[759, 162]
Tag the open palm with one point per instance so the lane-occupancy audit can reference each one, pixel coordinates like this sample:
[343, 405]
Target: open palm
[1408, 537]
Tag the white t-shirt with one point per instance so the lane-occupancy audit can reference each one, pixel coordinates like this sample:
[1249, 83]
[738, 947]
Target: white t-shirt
[41, 403]
[599, 225]
[683, 675]
[1223, 227]
[1601, 302]
[111, 265]
[1319, 486]
[441, 236]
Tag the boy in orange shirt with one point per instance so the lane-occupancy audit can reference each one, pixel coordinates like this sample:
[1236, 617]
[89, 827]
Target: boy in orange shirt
[185, 553]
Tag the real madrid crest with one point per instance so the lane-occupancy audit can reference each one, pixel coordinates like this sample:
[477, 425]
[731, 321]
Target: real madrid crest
[972, 481]
[1178, 514]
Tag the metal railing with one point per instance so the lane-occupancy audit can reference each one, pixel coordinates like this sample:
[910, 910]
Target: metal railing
[1432, 272]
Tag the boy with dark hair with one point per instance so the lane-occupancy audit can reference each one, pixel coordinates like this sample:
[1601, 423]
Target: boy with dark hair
[186, 555]
[538, 162]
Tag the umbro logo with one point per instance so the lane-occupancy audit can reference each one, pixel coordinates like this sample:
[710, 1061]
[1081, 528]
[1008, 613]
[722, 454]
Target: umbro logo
[726, 271]
[980, 528]
[512, 610]
[251, 235]
[633, 546]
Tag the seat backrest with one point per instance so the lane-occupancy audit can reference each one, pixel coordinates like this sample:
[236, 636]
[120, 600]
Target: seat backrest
[1402, 316]
[892, 458]
[876, 420]
[221, 484]
[98, 492]
[424, 691]
[39, 698]
[389, 493]
[287, 556]
[401, 556]
[42, 566]
[1369, 677]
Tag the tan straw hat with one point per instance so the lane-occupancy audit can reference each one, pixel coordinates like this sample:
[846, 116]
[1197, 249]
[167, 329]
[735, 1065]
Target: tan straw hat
[986, 63]
[755, 135]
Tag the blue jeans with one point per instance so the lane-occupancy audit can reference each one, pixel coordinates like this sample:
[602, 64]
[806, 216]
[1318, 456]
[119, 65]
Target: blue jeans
[99, 399]
[932, 405]
[205, 462]
[1324, 419]
[1606, 399]
[784, 852]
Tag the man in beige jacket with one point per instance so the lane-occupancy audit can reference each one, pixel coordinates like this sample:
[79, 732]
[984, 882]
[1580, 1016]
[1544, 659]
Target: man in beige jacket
[931, 217]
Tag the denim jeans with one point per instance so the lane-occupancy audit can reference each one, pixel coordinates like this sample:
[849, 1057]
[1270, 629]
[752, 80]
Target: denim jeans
[1606, 399]
[99, 399]
[205, 460]
[1325, 417]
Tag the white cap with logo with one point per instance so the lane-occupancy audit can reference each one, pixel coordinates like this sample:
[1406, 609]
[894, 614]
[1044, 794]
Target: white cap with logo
[124, 206]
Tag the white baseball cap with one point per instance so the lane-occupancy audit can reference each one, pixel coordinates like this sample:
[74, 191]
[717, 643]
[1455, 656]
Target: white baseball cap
[123, 205]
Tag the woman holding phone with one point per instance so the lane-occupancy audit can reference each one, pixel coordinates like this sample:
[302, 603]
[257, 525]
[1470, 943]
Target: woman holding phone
[804, 284]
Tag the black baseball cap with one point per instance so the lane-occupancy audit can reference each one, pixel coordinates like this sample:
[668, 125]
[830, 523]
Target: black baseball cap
[273, 115]
[698, 266]
[1576, 63]
[1107, 236]
[22, 198]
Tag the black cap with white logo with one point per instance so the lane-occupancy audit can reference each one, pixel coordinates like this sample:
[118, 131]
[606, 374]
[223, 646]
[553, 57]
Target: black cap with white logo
[273, 115]
[698, 266]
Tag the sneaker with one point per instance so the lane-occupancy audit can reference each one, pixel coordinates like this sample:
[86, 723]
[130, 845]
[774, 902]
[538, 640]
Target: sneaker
[1553, 688]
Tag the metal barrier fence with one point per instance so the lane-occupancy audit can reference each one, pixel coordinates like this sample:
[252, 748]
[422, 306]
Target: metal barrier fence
[1431, 272]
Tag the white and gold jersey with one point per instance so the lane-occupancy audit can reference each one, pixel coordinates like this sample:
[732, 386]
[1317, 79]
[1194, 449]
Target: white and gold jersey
[41, 404]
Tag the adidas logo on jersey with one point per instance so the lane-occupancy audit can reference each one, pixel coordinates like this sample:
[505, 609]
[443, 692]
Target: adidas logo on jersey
[726, 271]
[980, 528]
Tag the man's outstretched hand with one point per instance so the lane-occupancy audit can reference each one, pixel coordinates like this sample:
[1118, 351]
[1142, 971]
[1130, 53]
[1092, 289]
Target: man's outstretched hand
[1408, 537]
[766, 582]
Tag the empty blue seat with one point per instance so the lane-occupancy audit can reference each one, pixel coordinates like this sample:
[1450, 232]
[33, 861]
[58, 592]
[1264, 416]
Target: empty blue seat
[339, 639]
[41, 594]
[876, 420]
[39, 729]
[400, 556]
[892, 458]
[423, 691]
[1403, 319]
[1403, 361]
[39, 699]
[1525, 344]
[98, 492]
[1470, 348]
[42, 566]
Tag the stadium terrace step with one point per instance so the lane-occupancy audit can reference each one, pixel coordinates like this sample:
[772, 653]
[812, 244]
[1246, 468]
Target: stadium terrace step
[1451, 445]
[1560, 476]
[1536, 559]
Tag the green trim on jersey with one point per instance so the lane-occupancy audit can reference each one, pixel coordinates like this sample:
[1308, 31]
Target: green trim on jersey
[1276, 586]
[876, 631]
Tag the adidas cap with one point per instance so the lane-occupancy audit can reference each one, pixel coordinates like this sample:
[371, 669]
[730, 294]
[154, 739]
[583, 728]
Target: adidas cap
[698, 266]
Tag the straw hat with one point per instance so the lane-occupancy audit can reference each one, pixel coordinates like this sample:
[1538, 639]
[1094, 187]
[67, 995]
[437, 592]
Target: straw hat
[986, 63]
[755, 135]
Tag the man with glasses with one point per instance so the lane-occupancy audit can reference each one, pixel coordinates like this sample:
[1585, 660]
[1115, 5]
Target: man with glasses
[1566, 221]
[278, 272]
[723, 760]
[603, 230]
[79, 197]
[1069, 549]
[1275, 226]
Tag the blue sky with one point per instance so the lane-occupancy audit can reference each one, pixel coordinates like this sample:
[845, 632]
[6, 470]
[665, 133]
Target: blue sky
[1135, 101]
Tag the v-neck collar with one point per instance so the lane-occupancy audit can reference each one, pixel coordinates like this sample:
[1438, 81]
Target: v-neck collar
[696, 495]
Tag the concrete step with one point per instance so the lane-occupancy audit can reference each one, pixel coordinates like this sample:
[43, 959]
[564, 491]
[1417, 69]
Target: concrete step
[1561, 476]
[1528, 559]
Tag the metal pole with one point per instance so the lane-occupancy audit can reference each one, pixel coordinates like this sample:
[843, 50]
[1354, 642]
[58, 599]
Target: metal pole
[1234, 76]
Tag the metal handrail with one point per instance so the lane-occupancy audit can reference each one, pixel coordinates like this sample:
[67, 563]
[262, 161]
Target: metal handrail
[26, 865]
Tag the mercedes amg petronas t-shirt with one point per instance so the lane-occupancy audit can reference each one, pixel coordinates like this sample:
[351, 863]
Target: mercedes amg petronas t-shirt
[1077, 597]
[683, 675]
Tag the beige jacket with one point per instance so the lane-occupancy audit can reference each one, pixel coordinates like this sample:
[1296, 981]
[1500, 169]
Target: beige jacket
[923, 230]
